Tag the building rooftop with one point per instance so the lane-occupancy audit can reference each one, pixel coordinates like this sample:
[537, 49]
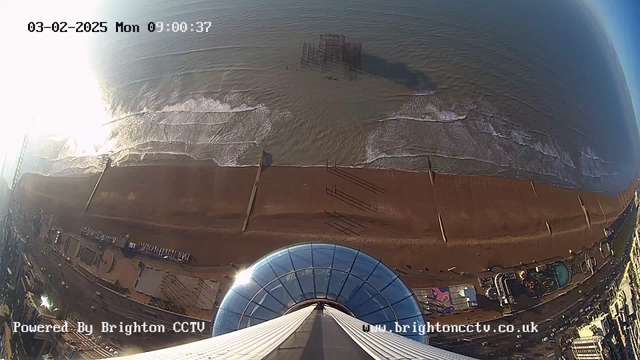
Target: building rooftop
[347, 278]
[313, 332]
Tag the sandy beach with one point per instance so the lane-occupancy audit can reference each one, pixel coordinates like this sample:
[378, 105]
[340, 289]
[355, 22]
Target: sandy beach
[395, 215]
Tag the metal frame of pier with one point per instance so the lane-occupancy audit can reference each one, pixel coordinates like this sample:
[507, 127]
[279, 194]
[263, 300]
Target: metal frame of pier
[332, 52]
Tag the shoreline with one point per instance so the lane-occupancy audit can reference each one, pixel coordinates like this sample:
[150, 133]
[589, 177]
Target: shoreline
[178, 159]
[200, 207]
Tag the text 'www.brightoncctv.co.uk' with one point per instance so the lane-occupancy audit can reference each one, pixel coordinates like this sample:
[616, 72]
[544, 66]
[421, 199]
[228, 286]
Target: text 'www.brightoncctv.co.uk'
[431, 328]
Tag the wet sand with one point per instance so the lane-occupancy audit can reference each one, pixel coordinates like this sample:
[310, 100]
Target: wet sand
[200, 208]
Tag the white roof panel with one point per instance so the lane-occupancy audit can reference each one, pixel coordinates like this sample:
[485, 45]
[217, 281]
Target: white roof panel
[254, 342]
[387, 345]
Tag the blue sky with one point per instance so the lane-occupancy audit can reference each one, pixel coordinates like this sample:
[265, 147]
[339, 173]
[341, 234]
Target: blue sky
[621, 21]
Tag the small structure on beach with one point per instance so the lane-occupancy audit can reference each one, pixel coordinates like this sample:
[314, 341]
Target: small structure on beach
[121, 242]
[176, 292]
[447, 299]
[159, 252]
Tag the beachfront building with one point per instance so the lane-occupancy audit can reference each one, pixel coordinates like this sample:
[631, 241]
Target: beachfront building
[345, 278]
[74, 344]
[624, 308]
[33, 312]
[315, 300]
[589, 348]
[599, 326]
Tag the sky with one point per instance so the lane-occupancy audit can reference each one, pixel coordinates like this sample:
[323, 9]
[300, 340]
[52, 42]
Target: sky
[621, 21]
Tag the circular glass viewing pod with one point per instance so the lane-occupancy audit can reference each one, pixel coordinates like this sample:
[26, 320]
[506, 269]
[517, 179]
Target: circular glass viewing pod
[344, 278]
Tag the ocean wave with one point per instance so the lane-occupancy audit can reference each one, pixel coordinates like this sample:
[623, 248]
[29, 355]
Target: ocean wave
[485, 137]
[467, 137]
[497, 167]
[204, 105]
[418, 93]
[232, 91]
[203, 128]
[193, 51]
[430, 110]
[524, 139]
[425, 119]
[591, 165]
[590, 154]
[427, 155]
[220, 68]
[179, 74]
[200, 106]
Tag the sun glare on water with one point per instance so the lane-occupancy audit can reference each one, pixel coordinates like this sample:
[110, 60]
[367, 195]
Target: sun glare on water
[49, 86]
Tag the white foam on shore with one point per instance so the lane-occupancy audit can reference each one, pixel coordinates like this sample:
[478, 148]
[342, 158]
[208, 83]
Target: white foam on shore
[203, 129]
[469, 137]
[451, 118]
[485, 137]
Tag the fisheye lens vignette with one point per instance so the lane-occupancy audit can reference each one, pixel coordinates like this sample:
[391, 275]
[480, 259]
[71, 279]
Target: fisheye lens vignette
[319, 180]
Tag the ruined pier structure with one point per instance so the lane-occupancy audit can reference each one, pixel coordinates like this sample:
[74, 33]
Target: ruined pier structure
[332, 51]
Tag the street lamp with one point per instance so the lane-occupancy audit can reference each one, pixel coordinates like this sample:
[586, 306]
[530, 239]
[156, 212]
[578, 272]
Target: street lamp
[45, 302]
